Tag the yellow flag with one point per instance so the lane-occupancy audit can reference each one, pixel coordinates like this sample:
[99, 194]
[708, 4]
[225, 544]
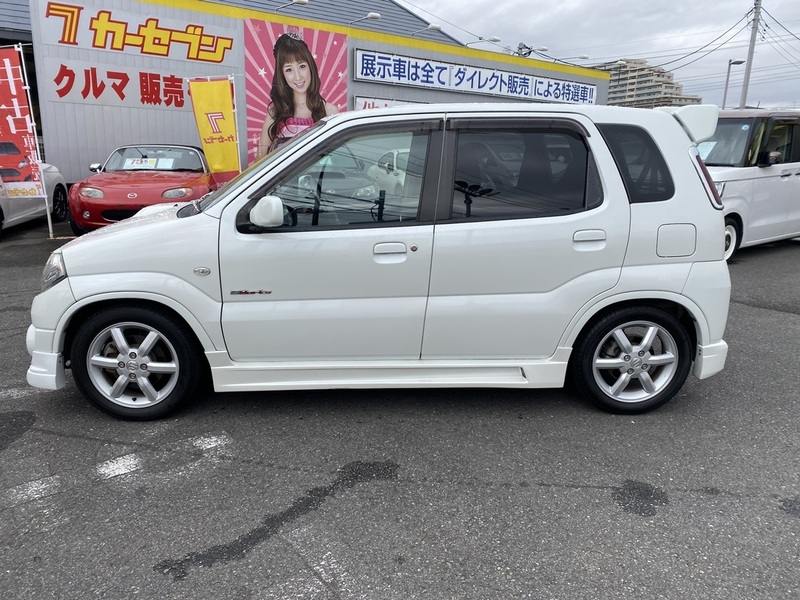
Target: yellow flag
[212, 101]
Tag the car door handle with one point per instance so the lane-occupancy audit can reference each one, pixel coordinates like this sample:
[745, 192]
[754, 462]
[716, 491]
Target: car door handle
[589, 240]
[589, 235]
[786, 173]
[389, 248]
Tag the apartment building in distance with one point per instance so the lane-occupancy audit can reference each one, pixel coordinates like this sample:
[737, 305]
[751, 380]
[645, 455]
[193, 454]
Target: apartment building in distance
[635, 83]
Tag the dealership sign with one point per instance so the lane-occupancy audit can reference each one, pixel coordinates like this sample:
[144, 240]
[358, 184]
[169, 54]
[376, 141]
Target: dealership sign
[421, 72]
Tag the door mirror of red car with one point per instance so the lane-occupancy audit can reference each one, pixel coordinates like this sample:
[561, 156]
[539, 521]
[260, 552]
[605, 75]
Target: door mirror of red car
[95, 167]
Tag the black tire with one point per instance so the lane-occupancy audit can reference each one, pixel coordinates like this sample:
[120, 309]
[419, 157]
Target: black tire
[632, 360]
[123, 381]
[733, 236]
[77, 231]
[60, 204]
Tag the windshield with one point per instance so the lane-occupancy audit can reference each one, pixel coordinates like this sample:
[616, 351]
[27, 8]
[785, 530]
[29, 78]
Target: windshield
[155, 158]
[211, 199]
[728, 146]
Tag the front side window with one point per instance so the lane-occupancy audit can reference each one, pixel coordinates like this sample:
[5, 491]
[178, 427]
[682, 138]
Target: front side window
[779, 143]
[359, 182]
[523, 174]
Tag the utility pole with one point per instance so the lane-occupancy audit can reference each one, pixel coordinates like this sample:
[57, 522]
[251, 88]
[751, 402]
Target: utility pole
[749, 65]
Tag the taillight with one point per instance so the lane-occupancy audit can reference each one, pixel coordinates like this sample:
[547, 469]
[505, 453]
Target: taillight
[705, 176]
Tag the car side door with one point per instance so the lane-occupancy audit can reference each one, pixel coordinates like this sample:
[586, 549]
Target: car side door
[775, 210]
[791, 171]
[346, 276]
[515, 259]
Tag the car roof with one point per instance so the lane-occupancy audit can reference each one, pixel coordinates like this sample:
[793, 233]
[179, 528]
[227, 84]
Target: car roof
[748, 113]
[594, 111]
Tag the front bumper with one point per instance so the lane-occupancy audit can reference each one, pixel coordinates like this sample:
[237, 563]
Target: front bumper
[47, 368]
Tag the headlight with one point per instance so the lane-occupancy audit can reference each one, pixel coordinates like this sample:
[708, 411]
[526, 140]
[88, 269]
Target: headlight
[90, 192]
[366, 192]
[54, 271]
[720, 187]
[177, 193]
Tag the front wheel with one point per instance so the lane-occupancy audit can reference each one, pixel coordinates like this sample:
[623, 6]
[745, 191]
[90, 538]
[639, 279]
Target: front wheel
[632, 360]
[732, 237]
[76, 230]
[135, 362]
[60, 205]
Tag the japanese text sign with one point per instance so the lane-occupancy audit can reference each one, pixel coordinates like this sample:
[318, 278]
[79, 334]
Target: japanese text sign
[425, 73]
[19, 150]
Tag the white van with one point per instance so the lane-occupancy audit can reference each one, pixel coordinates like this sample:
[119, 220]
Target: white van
[594, 255]
[754, 160]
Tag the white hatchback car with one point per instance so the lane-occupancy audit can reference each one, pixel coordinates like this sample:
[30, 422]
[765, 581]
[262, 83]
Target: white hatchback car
[603, 266]
[754, 160]
[17, 207]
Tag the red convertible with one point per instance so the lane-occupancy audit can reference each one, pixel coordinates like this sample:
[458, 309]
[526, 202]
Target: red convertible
[134, 177]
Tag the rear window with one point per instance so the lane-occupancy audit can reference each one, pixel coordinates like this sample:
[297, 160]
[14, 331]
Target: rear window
[640, 162]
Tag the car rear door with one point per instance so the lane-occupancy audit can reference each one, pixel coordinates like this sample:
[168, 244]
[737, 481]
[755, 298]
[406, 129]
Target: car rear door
[516, 256]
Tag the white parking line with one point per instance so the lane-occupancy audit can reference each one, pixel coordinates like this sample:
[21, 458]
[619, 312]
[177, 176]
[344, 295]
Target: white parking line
[31, 490]
[207, 442]
[119, 466]
[199, 452]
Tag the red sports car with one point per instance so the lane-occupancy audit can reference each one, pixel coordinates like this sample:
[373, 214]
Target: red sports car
[134, 177]
[14, 164]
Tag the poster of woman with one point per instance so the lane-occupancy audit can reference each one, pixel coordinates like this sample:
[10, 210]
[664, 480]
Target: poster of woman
[294, 77]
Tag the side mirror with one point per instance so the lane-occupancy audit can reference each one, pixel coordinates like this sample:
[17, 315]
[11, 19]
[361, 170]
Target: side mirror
[95, 167]
[306, 182]
[767, 159]
[268, 212]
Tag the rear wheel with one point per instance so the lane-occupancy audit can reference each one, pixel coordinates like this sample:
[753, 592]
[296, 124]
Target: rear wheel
[632, 360]
[733, 237]
[134, 362]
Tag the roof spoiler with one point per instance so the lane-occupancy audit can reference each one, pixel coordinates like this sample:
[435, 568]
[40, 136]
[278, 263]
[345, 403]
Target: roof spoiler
[698, 120]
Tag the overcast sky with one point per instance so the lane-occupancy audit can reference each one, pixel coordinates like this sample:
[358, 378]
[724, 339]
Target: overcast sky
[696, 37]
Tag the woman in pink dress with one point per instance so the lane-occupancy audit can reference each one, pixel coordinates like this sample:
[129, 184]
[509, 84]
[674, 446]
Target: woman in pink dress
[296, 103]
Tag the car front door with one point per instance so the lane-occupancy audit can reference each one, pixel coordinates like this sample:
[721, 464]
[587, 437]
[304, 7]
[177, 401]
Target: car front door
[514, 259]
[346, 276]
[775, 209]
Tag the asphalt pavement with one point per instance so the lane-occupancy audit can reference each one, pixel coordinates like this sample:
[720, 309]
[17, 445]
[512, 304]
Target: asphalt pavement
[484, 494]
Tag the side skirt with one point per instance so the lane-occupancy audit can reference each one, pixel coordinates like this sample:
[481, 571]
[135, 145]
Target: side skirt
[240, 377]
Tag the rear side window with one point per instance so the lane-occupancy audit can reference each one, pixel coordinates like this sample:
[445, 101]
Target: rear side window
[640, 162]
[523, 173]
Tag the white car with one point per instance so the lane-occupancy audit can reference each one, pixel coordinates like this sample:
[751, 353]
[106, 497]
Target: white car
[603, 267]
[17, 207]
[754, 160]
[389, 172]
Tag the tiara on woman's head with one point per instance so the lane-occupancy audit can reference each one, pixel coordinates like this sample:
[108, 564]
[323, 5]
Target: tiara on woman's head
[289, 37]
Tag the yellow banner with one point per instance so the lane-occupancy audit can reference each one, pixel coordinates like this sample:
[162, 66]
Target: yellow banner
[212, 101]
